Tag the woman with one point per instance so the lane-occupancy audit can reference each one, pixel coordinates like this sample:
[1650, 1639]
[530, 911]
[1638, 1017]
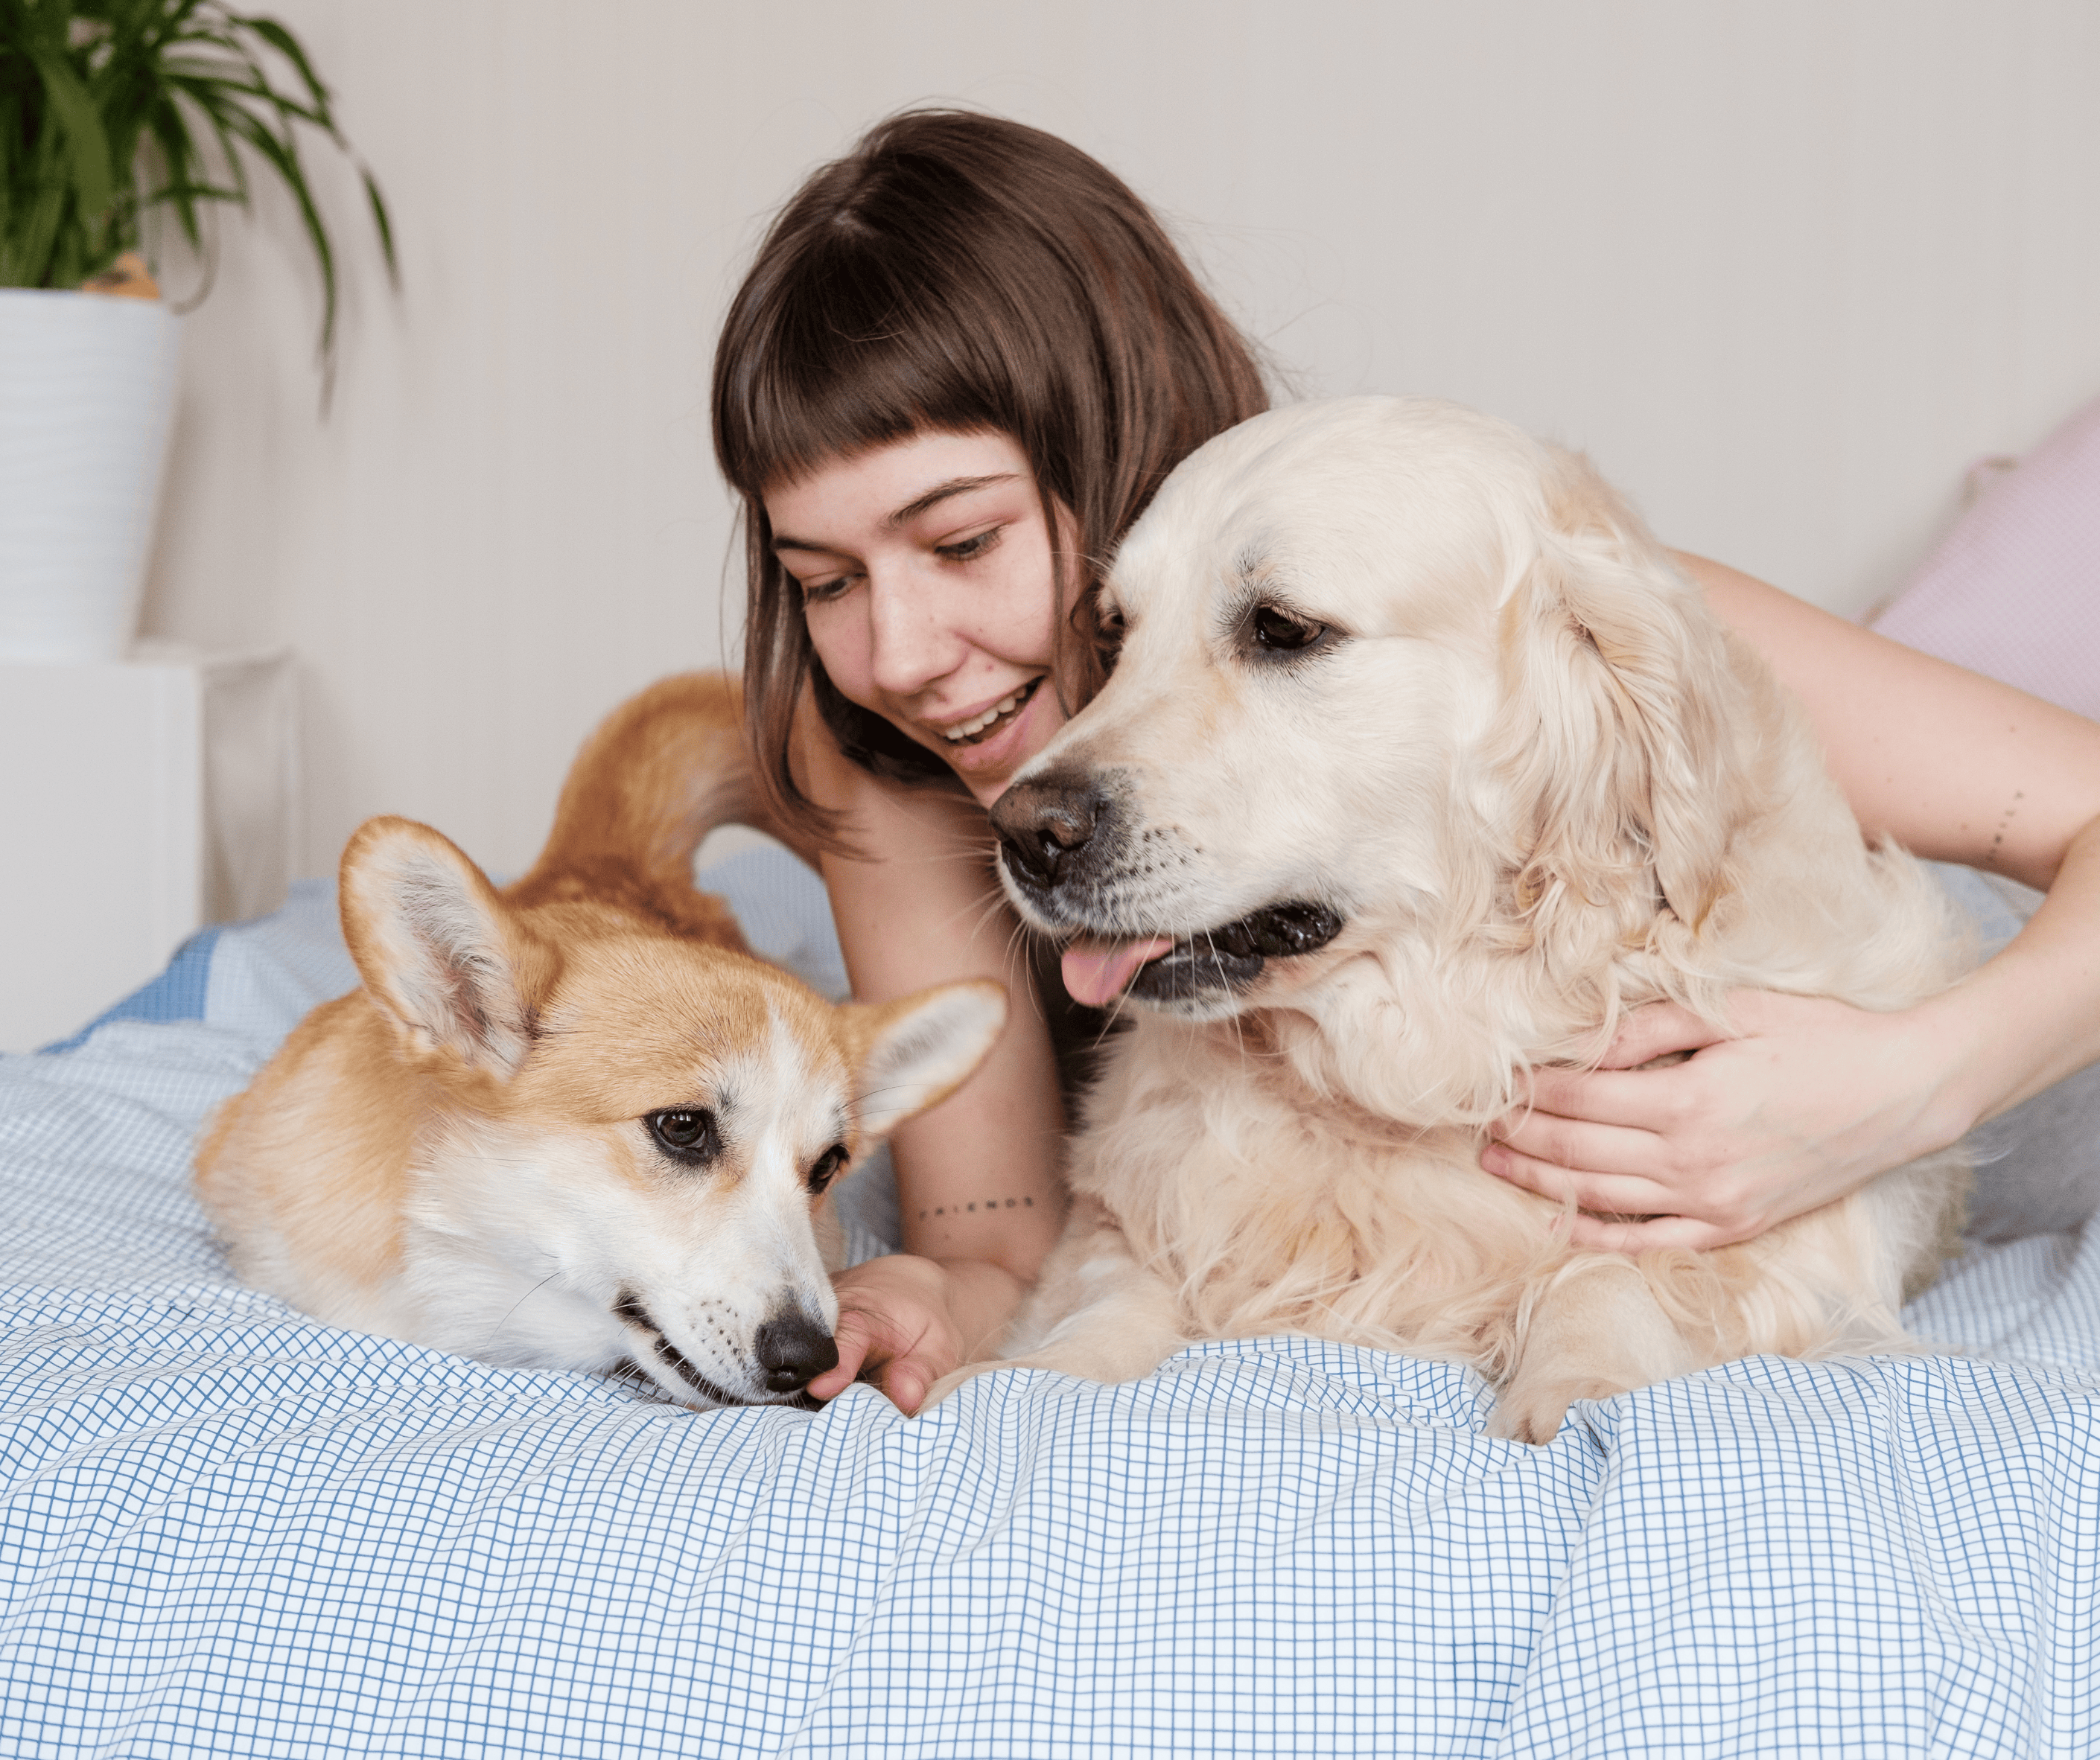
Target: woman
[965, 357]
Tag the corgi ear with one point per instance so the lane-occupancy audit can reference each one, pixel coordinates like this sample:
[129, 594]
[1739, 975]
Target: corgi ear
[1620, 707]
[913, 1052]
[434, 944]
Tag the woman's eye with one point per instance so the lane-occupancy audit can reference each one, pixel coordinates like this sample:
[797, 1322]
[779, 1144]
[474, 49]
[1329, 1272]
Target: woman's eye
[816, 592]
[827, 1166]
[969, 549]
[687, 1134]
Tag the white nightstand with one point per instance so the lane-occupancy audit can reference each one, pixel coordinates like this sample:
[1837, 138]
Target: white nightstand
[140, 800]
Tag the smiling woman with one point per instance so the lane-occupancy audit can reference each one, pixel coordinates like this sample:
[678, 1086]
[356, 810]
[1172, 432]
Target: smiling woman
[964, 360]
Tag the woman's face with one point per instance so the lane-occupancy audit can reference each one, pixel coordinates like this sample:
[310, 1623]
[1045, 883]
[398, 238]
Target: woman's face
[930, 587]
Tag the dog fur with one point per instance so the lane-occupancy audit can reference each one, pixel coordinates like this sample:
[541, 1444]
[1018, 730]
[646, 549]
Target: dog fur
[462, 1153]
[1516, 781]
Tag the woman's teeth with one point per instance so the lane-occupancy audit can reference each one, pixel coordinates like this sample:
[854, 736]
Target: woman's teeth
[969, 730]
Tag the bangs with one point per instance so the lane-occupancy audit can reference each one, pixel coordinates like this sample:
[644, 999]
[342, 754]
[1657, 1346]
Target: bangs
[872, 339]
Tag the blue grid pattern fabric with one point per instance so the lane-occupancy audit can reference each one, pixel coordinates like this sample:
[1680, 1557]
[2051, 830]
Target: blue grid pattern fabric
[228, 1530]
[178, 993]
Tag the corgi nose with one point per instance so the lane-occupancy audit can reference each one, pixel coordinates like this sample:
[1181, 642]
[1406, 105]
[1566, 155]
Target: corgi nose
[793, 1350]
[1040, 823]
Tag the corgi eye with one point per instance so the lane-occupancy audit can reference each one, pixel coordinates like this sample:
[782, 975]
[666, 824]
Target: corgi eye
[687, 1134]
[826, 1166]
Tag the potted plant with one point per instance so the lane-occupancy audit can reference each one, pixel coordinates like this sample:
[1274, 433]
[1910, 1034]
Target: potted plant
[109, 110]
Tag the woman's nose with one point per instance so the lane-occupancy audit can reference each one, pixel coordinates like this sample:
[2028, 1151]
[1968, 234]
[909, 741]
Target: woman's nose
[910, 645]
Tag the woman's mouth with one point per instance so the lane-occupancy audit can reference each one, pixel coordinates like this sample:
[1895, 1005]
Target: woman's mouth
[980, 728]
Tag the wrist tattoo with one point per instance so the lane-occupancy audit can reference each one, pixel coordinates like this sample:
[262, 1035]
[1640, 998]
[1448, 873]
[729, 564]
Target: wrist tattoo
[982, 1203]
[1990, 854]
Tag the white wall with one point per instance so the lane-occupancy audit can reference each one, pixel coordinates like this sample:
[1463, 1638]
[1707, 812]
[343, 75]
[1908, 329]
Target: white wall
[1784, 269]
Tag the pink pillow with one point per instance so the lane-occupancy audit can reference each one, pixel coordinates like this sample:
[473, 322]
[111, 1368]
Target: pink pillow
[2013, 590]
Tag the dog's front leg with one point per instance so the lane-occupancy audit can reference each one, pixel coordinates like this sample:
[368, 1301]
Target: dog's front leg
[1596, 1330]
[1096, 1311]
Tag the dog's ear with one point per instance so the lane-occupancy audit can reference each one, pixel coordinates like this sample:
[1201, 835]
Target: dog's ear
[913, 1052]
[1619, 708]
[437, 949]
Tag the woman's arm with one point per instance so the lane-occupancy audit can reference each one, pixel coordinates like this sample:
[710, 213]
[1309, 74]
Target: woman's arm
[1814, 1097]
[977, 1178]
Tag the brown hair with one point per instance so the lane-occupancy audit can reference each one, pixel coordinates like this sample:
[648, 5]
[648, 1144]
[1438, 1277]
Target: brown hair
[960, 272]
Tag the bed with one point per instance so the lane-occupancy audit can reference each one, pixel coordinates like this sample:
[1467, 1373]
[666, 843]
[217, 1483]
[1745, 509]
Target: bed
[229, 1530]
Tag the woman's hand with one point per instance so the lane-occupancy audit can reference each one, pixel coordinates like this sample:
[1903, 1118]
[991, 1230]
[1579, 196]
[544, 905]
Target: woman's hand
[906, 1321]
[1809, 1099]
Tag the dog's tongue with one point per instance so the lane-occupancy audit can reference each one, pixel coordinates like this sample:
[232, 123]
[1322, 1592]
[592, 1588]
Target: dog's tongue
[1095, 972]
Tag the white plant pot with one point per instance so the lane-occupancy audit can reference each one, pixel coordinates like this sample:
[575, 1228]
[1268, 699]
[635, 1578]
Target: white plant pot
[87, 388]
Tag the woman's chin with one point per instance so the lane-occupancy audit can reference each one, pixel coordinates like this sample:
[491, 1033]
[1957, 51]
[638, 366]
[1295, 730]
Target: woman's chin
[986, 767]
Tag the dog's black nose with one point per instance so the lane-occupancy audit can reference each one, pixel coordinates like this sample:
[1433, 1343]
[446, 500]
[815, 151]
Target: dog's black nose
[793, 1350]
[1040, 823]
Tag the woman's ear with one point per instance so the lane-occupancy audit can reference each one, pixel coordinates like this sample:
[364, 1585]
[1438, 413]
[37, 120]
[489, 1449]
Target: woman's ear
[1620, 712]
[437, 949]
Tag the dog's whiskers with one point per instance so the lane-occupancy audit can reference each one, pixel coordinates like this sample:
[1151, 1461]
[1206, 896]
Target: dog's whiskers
[495, 1331]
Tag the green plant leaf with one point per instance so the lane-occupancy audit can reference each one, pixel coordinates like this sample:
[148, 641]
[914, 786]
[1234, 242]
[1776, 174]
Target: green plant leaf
[382, 224]
[84, 138]
[110, 108]
[288, 46]
[282, 154]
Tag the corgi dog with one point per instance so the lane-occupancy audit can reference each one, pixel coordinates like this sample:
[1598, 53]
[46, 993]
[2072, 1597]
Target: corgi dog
[575, 1123]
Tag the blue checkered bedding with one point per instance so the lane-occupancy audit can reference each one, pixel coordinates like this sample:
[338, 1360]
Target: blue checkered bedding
[228, 1530]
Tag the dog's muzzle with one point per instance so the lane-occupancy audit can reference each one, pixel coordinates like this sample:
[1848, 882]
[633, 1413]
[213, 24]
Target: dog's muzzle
[1065, 850]
[792, 1349]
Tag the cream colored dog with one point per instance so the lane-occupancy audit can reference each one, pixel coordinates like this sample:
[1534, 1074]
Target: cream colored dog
[575, 1124]
[1420, 765]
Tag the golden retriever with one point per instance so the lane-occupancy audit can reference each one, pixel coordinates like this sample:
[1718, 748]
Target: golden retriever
[1421, 765]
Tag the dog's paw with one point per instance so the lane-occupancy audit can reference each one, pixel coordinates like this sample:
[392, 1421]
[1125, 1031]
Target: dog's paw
[1533, 1411]
[952, 1380]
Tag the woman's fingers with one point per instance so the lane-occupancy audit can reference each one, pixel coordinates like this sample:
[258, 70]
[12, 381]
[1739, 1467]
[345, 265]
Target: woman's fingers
[854, 1336]
[1643, 1100]
[1658, 1232]
[1577, 1142]
[905, 1382]
[1807, 1099]
[1658, 1030]
[892, 1316]
[1601, 1198]
[1617, 1193]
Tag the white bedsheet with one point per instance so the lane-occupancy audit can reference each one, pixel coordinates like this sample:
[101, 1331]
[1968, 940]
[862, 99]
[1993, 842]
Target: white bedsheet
[228, 1530]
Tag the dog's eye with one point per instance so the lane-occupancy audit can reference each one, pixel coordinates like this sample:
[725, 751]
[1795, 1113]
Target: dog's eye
[1109, 631]
[1280, 632]
[687, 1134]
[826, 1167]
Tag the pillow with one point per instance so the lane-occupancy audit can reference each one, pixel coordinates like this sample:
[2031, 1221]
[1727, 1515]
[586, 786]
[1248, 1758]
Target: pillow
[2014, 590]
